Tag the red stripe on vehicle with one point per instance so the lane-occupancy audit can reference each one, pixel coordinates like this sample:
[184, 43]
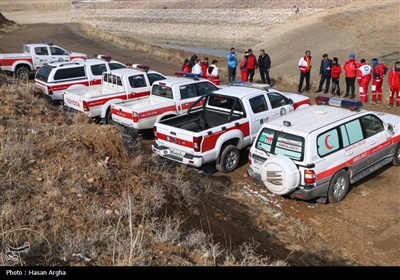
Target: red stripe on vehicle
[156, 112]
[11, 61]
[210, 141]
[298, 104]
[122, 114]
[175, 140]
[103, 101]
[66, 86]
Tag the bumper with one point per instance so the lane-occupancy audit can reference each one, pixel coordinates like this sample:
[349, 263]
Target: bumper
[185, 158]
[302, 192]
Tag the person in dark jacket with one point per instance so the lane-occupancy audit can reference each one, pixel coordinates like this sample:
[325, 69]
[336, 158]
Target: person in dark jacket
[325, 73]
[264, 64]
[192, 61]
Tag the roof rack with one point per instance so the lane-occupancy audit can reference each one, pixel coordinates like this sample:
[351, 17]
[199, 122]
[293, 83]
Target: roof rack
[48, 43]
[251, 85]
[187, 75]
[352, 105]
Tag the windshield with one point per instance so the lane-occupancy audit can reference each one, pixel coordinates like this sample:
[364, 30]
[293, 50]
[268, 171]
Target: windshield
[43, 73]
[281, 143]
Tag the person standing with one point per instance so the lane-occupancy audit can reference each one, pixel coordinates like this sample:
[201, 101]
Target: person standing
[204, 66]
[325, 73]
[364, 77]
[351, 67]
[394, 84]
[185, 66]
[264, 64]
[243, 68]
[379, 70]
[197, 68]
[335, 74]
[212, 72]
[251, 65]
[192, 61]
[305, 70]
[232, 63]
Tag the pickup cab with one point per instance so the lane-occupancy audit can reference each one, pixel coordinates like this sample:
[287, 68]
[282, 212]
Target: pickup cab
[168, 98]
[116, 86]
[53, 78]
[34, 57]
[227, 122]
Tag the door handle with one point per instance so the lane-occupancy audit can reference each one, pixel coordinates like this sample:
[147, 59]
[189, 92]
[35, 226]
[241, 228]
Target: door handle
[255, 119]
[349, 153]
[373, 142]
[275, 113]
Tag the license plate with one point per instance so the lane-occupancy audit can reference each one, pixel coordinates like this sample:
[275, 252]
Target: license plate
[176, 153]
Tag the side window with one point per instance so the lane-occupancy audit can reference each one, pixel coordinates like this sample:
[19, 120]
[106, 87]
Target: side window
[371, 125]
[264, 142]
[163, 91]
[328, 142]
[354, 131]
[345, 136]
[98, 69]
[114, 66]
[277, 100]
[117, 81]
[204, 88]
[187, 91]
[137, 81]
[154, 77]
[70, 73]
[57, 51]
[41, 51]
[258, 104]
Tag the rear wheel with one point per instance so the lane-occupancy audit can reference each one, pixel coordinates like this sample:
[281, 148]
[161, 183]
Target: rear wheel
[229, 159]
[339, 186]
[396, 157]
[22, 72]
[108, 117]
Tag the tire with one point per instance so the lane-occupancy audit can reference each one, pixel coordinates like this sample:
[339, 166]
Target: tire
[108, 118]
[339, 187]
[22, 72]
[228, 159]
[396, 156]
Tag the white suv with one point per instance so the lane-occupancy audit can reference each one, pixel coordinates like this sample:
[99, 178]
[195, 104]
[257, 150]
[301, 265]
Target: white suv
[318, 151]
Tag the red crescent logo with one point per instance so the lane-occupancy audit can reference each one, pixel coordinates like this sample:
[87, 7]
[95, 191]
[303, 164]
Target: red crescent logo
[326, 142]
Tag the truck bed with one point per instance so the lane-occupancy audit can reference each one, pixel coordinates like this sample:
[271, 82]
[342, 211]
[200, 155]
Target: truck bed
[201, 120]
[94, 91]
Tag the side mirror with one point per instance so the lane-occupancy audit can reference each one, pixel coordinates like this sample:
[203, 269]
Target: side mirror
[390, 128]
[290, 101]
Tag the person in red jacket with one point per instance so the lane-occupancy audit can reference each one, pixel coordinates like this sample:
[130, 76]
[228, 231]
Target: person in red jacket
[364, 77]
[243, 68]
[394, 84]
[335, 74]
[351, 67]
[185, 66]
[204, 66]
[378, 71]
[305, 70]
[251, 65]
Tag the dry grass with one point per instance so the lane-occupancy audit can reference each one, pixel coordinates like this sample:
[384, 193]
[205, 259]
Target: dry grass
[74, 192]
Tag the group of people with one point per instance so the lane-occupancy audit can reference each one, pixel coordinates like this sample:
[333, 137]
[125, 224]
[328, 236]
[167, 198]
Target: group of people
[364, 73]
[247, 66]
[196, 66]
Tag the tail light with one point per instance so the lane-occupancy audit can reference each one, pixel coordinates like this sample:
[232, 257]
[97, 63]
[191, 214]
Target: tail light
[85, 106]
[197, 143]
[49, 91]
[309, 176]
[249, 161]
[155, 132]
[135, 117]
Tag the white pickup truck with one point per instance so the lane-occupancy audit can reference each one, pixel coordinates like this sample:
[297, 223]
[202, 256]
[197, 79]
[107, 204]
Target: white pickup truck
[227, 122]
[116, 86]
[168, 98]
[55, 77]
[34, 56]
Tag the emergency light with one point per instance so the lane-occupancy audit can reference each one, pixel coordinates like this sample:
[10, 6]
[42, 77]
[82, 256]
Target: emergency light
[353, 105]
[104, 57]
[250, 85]
[142, 67]
[188, 75]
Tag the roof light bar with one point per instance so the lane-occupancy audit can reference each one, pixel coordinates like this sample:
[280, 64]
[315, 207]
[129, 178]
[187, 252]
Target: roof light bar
[251, 85]
[104, 57]
[142, 67]
[187, 75]
[352, 105]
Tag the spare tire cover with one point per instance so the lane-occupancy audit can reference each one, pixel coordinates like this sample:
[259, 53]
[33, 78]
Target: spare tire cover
[280, 175]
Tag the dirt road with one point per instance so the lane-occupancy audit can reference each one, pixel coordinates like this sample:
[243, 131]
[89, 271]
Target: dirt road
[364, 228]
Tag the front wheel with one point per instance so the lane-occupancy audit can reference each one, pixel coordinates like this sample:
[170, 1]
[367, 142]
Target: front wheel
[396, 156]
[229, 159]
[108, 118]
[339, 186]
[22, 72]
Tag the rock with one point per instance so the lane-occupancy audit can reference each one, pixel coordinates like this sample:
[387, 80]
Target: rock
[74, 190]
[109, 212]
[90, 180]
[39, 179]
